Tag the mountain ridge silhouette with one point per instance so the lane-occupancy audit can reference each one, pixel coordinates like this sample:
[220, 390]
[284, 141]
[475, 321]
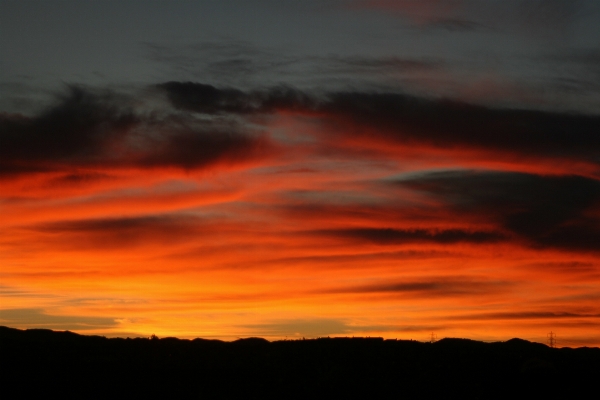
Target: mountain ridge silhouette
[40, 361]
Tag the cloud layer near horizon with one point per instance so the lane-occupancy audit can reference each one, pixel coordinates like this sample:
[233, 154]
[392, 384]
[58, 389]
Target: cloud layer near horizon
[187, 200]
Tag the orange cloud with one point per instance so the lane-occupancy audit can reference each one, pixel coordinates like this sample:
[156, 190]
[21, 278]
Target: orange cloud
[348, 213]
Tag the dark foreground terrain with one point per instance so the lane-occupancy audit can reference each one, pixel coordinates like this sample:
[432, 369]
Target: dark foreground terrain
[47, 363]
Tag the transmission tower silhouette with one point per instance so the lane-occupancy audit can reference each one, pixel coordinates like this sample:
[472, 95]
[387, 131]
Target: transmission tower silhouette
[552, 339]
[433, 337]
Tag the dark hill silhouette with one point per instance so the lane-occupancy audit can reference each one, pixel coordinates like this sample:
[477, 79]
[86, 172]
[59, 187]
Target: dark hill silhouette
[46, 363]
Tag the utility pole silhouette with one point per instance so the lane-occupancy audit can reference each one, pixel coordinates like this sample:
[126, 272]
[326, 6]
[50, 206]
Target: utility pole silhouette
[552, 339]
[433, 337]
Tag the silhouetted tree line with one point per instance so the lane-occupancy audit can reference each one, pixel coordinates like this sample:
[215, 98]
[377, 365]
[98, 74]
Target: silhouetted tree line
[43, 362]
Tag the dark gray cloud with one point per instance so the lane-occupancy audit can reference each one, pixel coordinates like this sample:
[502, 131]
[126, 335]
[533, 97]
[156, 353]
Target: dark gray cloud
[228, 61]
[77, 178]
[436, 287]
[199, 145]
[454, 25]
[548, 18]
[567, 268]
[548, 211]
[526, 315]
[587, 58]
[208, 99]
[78, 129]
[449, 124]
[38, 318]
[363, 66]
[406, 119]
[573, 73]
[116, 233]
[243, 64]
[87, 129]
[399, 236]
[352, 259]
[119, 224]
[197, 54]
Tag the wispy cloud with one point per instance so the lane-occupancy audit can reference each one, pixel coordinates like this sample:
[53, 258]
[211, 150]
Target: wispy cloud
[404, 120]
[38, 318]
[255, 197]
[392, 236]
[548, 211]
[444, 287]
[527, 315]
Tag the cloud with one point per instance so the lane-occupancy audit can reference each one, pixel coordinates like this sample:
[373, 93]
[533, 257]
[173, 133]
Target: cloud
[454, 25]
[38, 318]
[208, 99]
[79, 128]
[9, 291]
[351, 258]
[77, 178]
[361, 65]
[226, 60]
[198, 146]
[420, 11]
[406, 120]
[399, 236]
[119, 224]
[525, 315]
[448, 15]
[102, 130]
[548, 19]
[301, 327]
[245, 65]
[322, 327]
[547, 211]
[571, 267]
[116, 233]
[437, 287]
[447, 124]
[86, 133]
[574, 73]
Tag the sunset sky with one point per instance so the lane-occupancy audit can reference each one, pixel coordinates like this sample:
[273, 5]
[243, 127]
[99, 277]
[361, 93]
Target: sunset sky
[226, 169]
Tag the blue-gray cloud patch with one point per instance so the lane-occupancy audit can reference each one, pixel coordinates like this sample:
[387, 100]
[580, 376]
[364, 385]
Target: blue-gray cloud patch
[11, 291]
[39, 318]
[321, 327]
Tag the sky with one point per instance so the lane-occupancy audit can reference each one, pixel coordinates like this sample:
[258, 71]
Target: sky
[290, 169]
